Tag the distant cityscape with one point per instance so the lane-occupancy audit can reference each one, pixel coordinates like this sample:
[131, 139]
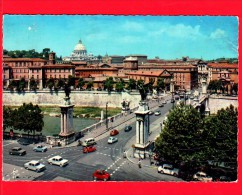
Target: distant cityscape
[185, 72]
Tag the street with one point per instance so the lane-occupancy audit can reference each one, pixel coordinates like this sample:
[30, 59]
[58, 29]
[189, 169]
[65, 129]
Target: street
[81, 165]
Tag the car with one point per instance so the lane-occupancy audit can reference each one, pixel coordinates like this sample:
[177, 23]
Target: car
[101, 175]
[112, 140]
[26, 141]
[157, 113]
[58, 160]
[114, 132]
[34, 165]
[172, 101]
[127, 128]
[168, 169]
[161, 105]
[89, 149]
[17, 151]
[164, 102]
[40, 148]
[88, 142]
[202, 176]
[151, 112]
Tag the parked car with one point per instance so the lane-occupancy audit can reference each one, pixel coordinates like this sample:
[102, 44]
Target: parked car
[114, 132]
[26, 141]
[88, 149]
[164, 102]
[101, 175]
[161, 105]
[34, 165]
[151, 112]
[201, 176]
[172, 101]
[112, 140]
[168, 169]
[89, 142]
[157, 113]
[127, 128]
[17, 151]
[58, 160]
[40, 148]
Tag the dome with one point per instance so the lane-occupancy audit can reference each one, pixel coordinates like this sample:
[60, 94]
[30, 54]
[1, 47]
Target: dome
[79, 46]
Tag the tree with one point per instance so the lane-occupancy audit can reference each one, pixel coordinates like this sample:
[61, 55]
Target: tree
[180, 140]
[131, 84]
[71, 80]
[160, 84]
[221, 132]
[108, 84]
[50, 83]
[58, 84]
[89, 85]
[235, 88]
[120, 85]
[28, 118]
[32, 84]
[7, 117]
[81, 83]
[21, 85]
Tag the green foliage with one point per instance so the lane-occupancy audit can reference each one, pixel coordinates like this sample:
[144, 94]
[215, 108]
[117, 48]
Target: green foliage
[160, 84]
[89, 85]
[71, 80]
[50, 83]
[180, 139]
[235, 88]
[21, 85]
[220, 132]
[131, 84]
[81, 83]
[188, 138]
[33, 84]
[58, 84]
[108, 84]
[27, 118]
[216, 85]
[120, 85]
[7, 119]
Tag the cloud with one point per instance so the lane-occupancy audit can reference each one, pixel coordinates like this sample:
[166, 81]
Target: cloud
[178, 31]
[217, 34]
[133, 26]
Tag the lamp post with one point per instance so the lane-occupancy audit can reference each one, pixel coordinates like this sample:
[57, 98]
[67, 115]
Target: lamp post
[185, 96]
[107, 116]
[150, 155]
[172, 91]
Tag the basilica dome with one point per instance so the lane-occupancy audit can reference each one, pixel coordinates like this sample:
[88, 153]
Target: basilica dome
[79, 46]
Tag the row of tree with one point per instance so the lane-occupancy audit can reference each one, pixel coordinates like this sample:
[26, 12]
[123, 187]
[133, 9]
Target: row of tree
[27, 118]
[30, 54]
[109, 84]
[218, 85]
[191, 139]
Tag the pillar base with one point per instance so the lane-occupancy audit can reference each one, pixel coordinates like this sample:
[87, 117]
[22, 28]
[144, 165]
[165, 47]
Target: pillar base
[66, 139]
[141, 151]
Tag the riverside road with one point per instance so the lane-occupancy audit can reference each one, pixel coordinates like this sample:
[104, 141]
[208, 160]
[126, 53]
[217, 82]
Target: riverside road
[81, 166]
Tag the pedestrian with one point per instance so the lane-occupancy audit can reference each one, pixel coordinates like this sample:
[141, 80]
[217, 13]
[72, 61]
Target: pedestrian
[139, 163]
[124, 155]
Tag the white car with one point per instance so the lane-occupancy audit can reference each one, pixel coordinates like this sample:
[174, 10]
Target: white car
[201, 176]
[58, 160]
[34, 165]
[157, 113]
[112, 140]
[168, 169]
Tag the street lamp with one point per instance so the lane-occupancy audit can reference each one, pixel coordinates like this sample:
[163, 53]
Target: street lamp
[150, 155]
[107, 116]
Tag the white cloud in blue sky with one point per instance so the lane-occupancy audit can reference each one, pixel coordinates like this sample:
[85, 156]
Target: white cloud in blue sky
[168, 37]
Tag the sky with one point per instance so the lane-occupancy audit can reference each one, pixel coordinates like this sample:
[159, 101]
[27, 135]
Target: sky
[166, 37]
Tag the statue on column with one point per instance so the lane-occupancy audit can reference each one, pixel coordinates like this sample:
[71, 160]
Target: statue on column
[67, 90]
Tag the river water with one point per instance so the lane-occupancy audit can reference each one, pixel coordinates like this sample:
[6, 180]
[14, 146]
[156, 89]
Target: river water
[52, 124]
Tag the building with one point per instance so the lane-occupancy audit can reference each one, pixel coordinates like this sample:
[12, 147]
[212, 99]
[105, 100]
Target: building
[142, 59]
[80, 54]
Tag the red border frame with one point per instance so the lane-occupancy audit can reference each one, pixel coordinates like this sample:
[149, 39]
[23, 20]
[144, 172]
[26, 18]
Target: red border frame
[122, 7]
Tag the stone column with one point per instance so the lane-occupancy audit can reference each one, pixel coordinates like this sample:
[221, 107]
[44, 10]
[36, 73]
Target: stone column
[204, 86]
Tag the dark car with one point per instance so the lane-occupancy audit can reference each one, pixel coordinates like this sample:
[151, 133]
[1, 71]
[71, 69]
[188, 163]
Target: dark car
[127, 128]
[172, 101]
[17, 151]
[26, 141]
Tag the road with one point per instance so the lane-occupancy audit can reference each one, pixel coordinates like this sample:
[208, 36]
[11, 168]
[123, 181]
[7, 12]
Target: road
[81, 166]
